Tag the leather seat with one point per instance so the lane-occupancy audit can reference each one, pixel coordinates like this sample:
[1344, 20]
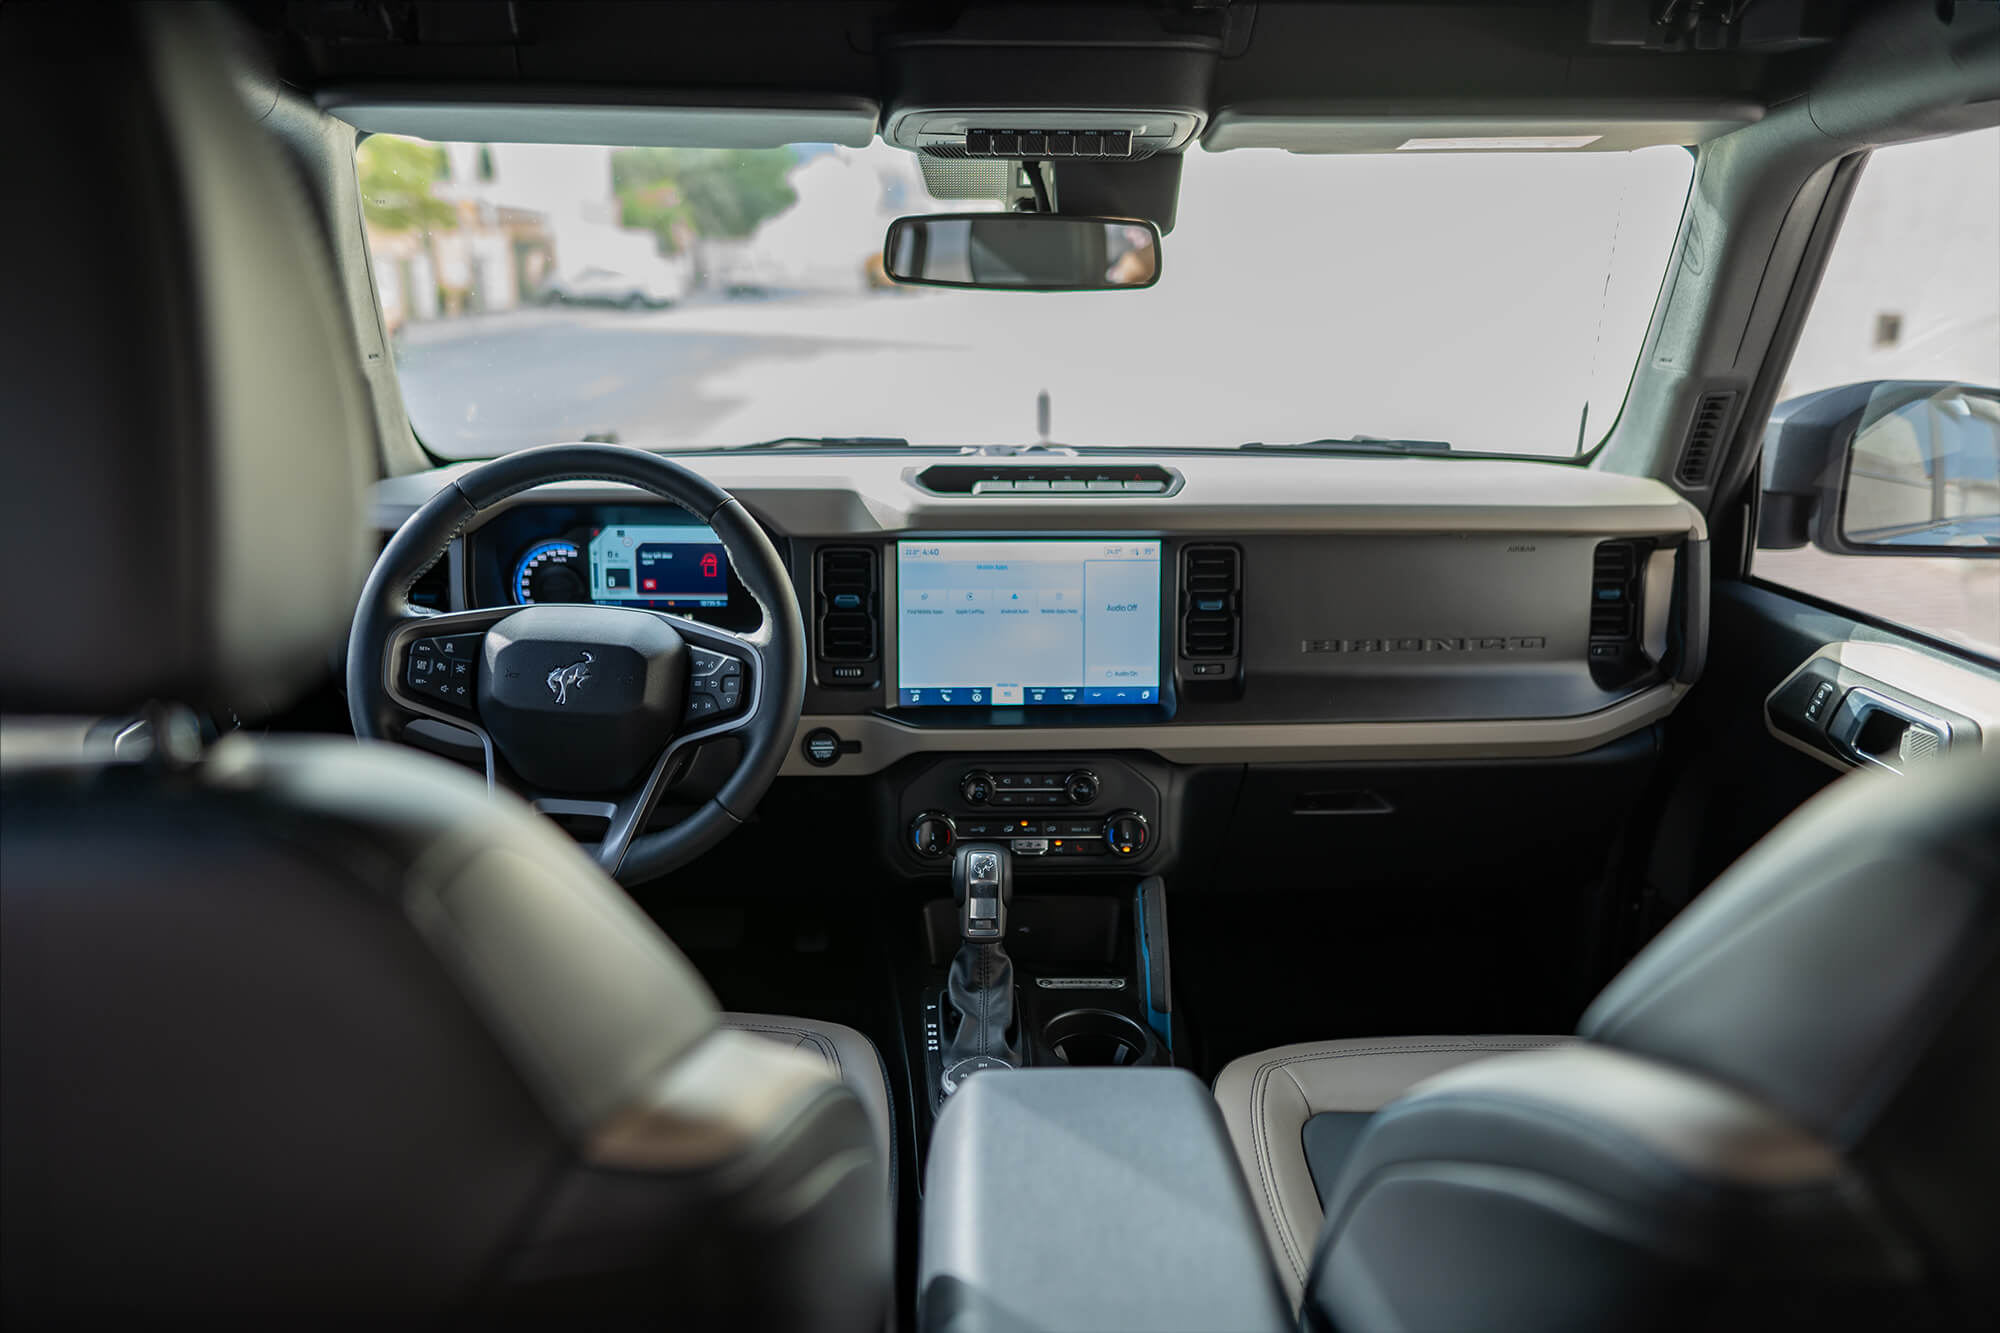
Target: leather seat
[1295, 1112]
[295, 1024]
[1780, 1114]
[848, 1056]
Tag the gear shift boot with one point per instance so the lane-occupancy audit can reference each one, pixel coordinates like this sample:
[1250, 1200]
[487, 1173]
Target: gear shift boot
[981, 986]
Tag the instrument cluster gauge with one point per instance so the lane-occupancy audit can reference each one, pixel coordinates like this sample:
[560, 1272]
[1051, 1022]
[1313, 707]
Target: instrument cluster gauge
[551, 571]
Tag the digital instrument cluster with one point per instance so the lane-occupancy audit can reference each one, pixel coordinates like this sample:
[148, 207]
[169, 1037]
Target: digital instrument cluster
[653, 557]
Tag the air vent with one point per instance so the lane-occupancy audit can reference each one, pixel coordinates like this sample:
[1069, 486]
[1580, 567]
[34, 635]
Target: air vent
[1211, 631]
[1711, 417]
[1611, 580]
[1044, 480]
[847, 616]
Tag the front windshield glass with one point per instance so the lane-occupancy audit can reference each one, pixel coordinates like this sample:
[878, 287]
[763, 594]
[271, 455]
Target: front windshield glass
[690, 298]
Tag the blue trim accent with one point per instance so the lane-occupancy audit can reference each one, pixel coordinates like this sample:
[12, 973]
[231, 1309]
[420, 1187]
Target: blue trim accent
[521, 565]
[1161, 1022]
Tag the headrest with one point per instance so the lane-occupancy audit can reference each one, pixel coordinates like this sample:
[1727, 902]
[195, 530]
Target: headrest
[187, 441]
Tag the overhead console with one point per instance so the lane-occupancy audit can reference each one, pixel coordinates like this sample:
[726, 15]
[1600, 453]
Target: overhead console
[1037, 83]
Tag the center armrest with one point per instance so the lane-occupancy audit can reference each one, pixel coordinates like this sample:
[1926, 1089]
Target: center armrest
[1086, 1200]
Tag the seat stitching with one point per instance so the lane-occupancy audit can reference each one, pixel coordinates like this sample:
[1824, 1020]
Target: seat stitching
[1260, 1138]
[825, 1047]
[1260, 1142]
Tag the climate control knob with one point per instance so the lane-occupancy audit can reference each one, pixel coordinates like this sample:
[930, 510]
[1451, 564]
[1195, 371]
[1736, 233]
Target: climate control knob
[1126, 832]
[932, 833]
[976, 787]
[1080, 787]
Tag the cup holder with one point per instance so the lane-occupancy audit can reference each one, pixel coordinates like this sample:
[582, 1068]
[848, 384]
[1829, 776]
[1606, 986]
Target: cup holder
[1096, 1038]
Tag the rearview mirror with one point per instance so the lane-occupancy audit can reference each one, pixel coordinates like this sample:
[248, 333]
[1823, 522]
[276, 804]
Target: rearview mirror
[1022, 252]
[1889, 467]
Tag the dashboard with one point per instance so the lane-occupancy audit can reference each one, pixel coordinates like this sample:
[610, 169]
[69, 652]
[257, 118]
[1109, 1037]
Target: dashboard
[1065, 654]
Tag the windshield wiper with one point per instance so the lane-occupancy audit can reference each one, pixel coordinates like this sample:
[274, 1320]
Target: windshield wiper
[816, 441]
[1351, 444]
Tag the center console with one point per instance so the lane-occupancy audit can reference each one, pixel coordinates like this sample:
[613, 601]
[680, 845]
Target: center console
[1090, 1200]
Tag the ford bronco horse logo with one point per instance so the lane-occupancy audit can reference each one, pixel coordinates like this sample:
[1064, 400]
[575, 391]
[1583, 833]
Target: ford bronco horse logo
[572, 677]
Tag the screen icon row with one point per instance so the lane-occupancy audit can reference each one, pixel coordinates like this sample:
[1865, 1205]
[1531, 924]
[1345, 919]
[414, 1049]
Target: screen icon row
[1033, 696]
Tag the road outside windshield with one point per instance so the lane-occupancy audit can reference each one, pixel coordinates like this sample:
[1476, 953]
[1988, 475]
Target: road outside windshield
[690, 298]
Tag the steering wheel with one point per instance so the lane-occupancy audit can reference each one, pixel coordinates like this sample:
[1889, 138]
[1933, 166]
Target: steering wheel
[585, 709]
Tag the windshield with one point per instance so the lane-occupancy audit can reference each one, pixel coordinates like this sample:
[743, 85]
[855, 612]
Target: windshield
[692, 298]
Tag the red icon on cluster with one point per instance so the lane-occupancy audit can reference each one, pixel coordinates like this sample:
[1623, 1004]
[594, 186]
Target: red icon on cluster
[708, 565]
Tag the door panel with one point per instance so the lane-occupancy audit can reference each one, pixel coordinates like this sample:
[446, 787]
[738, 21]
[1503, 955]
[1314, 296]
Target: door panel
[1731, 776]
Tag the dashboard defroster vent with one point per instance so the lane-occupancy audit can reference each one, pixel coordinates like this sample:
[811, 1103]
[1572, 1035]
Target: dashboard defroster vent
[1711, 417]
[1094, 481]
[847, 616]
[1211, 613]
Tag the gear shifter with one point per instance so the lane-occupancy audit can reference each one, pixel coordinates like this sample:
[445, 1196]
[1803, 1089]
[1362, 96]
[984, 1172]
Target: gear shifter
[981, 986]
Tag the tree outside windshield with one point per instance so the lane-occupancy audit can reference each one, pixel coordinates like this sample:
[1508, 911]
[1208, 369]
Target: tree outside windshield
[696, 298]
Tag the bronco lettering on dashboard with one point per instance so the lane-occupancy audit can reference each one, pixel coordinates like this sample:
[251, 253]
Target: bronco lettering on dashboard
[1485, 643]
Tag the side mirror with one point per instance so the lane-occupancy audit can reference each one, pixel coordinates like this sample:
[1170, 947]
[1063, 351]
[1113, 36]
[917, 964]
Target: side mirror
[1886, 467]
[1023, 252]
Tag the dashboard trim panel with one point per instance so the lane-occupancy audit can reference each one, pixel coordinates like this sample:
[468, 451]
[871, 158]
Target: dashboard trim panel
[885, 741]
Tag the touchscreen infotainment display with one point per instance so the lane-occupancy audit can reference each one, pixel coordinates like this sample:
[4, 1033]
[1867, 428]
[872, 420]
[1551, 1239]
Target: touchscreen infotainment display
[1027, 623]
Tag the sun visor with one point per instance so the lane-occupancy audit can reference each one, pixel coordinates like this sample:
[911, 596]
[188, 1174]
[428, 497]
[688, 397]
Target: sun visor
[637, 118]
[1378, 128]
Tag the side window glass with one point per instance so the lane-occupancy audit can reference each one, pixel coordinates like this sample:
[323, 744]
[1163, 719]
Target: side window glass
[1881, 465]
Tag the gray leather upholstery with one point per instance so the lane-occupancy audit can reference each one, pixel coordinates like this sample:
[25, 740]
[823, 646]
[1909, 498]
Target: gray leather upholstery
[850, 1056]
[303, 1026]
[1088, 1201]
[188, 439]
[1267, 1098]
[1779, 1115]
[318, 1025]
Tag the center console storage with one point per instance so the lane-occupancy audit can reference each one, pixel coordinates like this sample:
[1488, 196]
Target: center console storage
[1086, 1200]
[1074, 982]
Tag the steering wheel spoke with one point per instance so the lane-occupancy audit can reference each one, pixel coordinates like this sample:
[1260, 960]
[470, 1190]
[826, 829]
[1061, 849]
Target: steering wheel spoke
[430, 669]
[725, 679]
[724, 698]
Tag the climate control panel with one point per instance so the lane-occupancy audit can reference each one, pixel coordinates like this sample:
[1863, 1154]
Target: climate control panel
[1072, 815]
[1027, 789]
